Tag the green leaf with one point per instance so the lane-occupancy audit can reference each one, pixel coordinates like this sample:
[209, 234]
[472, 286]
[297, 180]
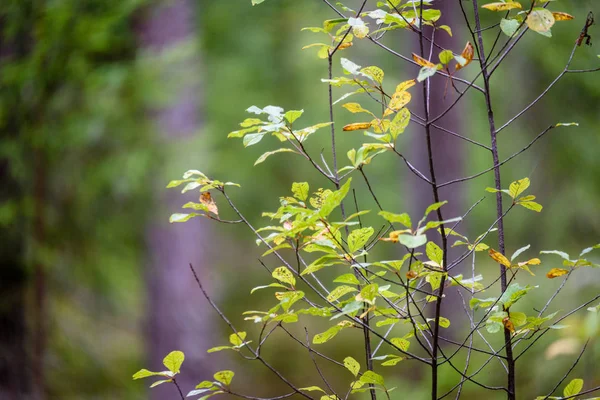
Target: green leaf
[350, 308]
[513, 294]
[518, 318]
[278, 285]
[339, 292]
[509, 26]
[255, 2]
[400, 343]
[219, 348]
[531, 205]
[434, 253]
[264, 156]
[392, 361]
[444, 322]
[327, 335]
[573, 388]
[312, 389]
[288, 299]
[519, 252]
[518, 187]
[224, 377]
[400, 122]
[347, 278]
[372, 377]
[300, 190]
[144, 373]
[182, 217]
[434, 207]
[282, 274]
[173, 361]
[368, 293]
[293, 115]
[446, 28]
[161, 382]
[411, 241]
[426, 72]
[352, 365]
[475, 303]
[404, 218]
[237, 339]
[358, 238]
[446, 56]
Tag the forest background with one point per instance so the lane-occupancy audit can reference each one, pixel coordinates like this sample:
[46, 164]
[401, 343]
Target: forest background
[103, 102]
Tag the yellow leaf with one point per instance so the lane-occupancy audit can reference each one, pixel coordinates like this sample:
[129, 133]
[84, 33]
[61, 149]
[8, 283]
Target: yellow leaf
[405, 85]
[540, 20]
[411, 275]
[345, 45]
[399, 100]
[556, 272]
[499, 258]
[207, 200]
[380, 125]
[423, 62]
[467, 54]
[354, 108]
[357, 126]
[502, 6]
[561, 16]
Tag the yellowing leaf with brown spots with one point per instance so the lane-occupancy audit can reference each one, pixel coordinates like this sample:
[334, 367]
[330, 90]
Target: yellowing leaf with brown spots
[411, 275]
[540, 20]
[499, 258]
[399, 100]
[497, 6]
[357, 126]
[423, 62]
[556, 272]
[562, 16]
[207, 200]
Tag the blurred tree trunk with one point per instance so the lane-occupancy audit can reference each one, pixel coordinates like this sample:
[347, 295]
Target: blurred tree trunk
[448, 151]
[16, 378]
[178, 314]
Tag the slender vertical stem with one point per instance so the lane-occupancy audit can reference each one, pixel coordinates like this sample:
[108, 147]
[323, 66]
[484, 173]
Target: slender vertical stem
[436, 198]
[494, 144]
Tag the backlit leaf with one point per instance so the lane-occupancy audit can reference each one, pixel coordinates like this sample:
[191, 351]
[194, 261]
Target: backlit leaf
[405, 85]
[224, 377]
[467, 55]
[374, 73]
[300, 190]
[573, 388]
[518, 187]
[400, 122]
[283, 274]
[403, 218]
[173, 361]
[352, 365]
[358, 238]
[372, 377]
[339, 292]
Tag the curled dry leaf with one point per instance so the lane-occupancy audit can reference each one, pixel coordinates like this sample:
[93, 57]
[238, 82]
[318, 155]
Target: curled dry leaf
[508, 324]
[467, 55]
[207, 200]
[556, 272]
[562, 16]
[423, 62]
[499, 258]
[411, 275]
[357, 126]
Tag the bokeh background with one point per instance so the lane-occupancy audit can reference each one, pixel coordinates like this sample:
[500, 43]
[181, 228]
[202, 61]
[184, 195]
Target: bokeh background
[102, 102]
